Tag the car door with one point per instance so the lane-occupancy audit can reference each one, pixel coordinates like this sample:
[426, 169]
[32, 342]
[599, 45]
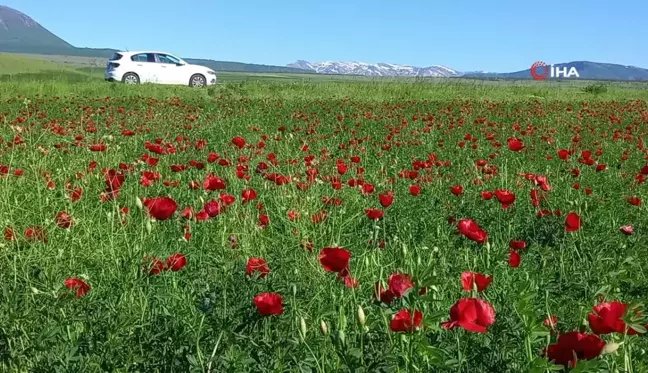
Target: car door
[169, 70]
[144, 66]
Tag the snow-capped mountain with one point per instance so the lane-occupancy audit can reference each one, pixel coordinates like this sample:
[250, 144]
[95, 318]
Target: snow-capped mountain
[374, 69]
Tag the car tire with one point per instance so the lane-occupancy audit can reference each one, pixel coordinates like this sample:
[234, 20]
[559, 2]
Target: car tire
[197, 81]
[131, 78]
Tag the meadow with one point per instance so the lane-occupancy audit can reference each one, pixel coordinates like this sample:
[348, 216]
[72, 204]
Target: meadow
[321, 226]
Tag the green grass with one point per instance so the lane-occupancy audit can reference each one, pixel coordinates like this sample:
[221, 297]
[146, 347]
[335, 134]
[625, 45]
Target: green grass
[12, 64]
[202, 318]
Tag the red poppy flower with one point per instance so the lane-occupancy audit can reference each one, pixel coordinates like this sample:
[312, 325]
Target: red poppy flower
[374, 214]
[514, 259]
[155, 267]
[160, 208]
[400, 284]
[367, 189]
[269, 304]
[36, 233]
[608, 318]
[342, 168]
[334, 259]
[517, 244]
[248, 195]
[226, 199]
[293, 215]
[176, 261]
[63, 220]
[406, 322]
[573, 346]
[635, 201]
[626, 229]
[472, 231]
[551, 321]
[212, 182]
[264, 220]
[542, 181]
[319, 217]
[471, 279]
[81, 287]
[257, 265]
[350, 281]
[472, 314]
[415, 190]
[515, 144]
[188, 213]
[212, 208]
[486, 195]
[9, 234]
[384, 295]
[457, 190]
[98, 147]
[505, 197]
[238, 141]
[386, 199]
[573, 222]
[563, 154]
[114, 181]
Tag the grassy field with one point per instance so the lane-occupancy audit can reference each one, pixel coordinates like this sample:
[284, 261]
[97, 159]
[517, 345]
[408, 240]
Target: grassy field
[314, 226]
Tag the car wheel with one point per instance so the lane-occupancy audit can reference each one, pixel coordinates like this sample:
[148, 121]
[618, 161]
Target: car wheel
[197, 81]
[131, 78]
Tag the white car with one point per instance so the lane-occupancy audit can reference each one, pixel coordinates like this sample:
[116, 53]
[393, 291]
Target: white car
[157, 67]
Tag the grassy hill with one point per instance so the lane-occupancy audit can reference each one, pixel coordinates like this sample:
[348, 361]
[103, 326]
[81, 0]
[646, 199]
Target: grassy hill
[16, 68]
[12, 64]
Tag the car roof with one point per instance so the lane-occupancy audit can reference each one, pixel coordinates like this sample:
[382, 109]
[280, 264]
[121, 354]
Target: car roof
[130, 53]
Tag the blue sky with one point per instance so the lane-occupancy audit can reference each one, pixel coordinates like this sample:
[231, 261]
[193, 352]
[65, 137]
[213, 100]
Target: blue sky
[497, 36]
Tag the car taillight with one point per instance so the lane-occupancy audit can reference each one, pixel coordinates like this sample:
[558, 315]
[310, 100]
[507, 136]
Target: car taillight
[113, 65]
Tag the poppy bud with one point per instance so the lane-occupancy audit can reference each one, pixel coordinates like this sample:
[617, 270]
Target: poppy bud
[343, 322]
[361, 316]
[341, 336]
[138, 203]
[149, 227]
[302, 326]
[323, 328]
[611, 348]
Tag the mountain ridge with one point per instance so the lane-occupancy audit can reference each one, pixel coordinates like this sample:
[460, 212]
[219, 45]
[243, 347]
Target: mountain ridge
[374, 69]
[587, 70]
[17, 28]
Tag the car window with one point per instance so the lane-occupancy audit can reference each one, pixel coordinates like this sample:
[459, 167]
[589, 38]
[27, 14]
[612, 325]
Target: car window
[143, 57]
[116, 57]
[165, 58]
